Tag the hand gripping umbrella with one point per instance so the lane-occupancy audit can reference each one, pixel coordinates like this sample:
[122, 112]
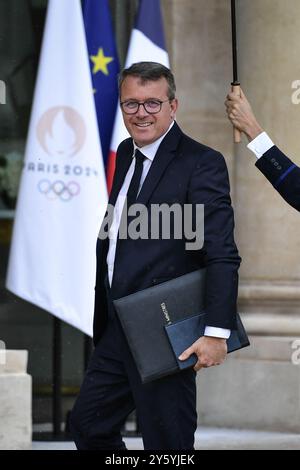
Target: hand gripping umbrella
[235, 84]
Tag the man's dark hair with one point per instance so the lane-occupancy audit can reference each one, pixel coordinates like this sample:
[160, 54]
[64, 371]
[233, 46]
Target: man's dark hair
[149, 71]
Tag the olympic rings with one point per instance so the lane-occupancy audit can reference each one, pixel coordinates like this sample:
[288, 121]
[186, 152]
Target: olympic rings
[59, 189]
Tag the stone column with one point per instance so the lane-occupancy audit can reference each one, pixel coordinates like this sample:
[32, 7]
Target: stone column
[15, 401]
[267, 228]
[259, 386]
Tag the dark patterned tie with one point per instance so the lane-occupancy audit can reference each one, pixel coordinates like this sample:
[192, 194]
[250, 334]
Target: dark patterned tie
[136, 178]
[134, 185]
[131, 199]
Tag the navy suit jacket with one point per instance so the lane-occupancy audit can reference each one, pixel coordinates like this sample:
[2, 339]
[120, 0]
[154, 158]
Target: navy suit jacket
[283, 174]
[183, 171]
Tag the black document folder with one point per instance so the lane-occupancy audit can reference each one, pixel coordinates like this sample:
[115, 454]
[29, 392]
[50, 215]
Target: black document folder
[162, 321]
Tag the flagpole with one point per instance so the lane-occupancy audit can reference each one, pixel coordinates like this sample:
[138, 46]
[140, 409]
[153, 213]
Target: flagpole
[56, 378]
[235, 85]
[88, 349]
[56, 433]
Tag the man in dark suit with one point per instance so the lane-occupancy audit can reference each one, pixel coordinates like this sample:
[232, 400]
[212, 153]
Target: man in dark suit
[158, 164]
[282, 173]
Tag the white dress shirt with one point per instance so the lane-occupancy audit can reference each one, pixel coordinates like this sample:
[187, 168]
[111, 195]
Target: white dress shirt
[260, 145]
[149, 151]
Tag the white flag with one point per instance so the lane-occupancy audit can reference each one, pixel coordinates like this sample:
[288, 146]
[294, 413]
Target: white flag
[62, 196]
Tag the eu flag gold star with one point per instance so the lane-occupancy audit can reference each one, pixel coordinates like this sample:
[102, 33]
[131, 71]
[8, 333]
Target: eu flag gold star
[100, 62]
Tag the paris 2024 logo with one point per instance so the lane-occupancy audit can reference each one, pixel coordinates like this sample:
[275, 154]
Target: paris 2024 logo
[61, 132]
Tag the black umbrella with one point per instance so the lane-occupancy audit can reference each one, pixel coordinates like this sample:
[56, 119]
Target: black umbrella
[235, 84]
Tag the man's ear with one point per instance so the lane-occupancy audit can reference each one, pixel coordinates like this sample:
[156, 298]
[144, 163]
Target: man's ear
[174, 107]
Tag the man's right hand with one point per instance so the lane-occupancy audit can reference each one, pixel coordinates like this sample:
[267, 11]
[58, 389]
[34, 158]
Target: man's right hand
[241, 115]
[211, 351]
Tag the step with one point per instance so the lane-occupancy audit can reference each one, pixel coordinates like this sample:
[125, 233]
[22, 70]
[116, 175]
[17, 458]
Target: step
[210, 439]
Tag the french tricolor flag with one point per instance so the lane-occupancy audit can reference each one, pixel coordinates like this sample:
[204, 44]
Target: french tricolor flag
[147, 43]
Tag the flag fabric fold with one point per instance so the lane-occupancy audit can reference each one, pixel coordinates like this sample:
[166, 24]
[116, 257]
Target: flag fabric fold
[147, 43]
[62, 195]
[104, 65]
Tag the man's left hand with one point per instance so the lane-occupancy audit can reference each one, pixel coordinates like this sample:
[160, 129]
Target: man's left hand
[210, 351]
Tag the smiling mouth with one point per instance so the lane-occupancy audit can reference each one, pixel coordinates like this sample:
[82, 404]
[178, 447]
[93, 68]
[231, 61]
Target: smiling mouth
[143, 124]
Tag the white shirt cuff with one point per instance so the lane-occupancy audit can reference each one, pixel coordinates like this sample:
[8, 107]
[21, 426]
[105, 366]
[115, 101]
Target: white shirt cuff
[260, 145]
[217, 332]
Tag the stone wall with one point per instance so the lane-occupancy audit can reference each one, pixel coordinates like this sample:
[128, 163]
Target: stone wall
[15, 401]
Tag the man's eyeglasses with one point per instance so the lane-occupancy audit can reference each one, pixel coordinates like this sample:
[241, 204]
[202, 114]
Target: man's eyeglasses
[150, 106]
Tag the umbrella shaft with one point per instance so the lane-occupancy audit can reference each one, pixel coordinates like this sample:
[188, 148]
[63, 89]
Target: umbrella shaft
[234, 46]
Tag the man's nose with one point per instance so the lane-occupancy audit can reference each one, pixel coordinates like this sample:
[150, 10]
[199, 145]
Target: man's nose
[141, 112]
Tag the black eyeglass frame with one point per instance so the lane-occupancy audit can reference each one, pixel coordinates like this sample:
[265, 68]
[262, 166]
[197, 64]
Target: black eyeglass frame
[143, 104]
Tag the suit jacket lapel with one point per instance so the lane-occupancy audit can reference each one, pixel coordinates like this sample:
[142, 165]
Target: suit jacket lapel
[124, 160]
[165, 154]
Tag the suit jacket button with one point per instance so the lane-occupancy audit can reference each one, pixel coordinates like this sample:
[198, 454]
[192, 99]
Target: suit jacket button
[279, 168]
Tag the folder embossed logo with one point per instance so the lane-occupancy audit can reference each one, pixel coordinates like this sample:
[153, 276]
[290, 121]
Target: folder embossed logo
[162, 321]
[165, 312]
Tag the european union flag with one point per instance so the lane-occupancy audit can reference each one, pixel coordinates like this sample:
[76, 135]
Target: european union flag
[104, 66]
